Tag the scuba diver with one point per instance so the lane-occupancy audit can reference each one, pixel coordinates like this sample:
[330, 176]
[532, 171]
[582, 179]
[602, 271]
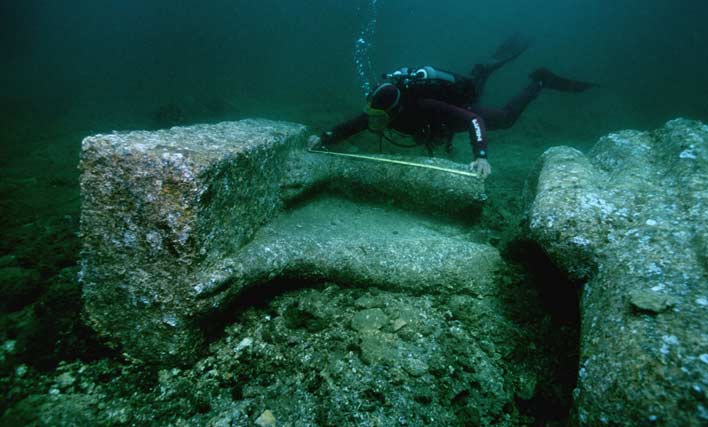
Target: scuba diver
[431, 105]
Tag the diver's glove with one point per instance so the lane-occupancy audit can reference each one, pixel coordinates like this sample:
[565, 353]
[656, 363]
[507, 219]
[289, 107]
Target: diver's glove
[319, 142]
[481, 167]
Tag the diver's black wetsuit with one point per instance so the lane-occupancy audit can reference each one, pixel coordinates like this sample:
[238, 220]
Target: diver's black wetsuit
[434, 112]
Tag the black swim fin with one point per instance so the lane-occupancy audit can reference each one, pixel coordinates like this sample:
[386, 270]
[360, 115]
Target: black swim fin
[555, 82]
[511, 48]
[508, 50]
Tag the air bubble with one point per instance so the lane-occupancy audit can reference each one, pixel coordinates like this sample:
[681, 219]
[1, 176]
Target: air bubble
[362, 47]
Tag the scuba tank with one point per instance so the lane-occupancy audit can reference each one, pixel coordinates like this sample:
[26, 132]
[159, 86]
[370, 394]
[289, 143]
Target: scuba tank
[431, 82]
[409, 76]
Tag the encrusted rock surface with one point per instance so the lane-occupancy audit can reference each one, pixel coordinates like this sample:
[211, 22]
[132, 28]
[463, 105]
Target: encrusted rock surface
[631, 219]
[311, 360]
[176, 224]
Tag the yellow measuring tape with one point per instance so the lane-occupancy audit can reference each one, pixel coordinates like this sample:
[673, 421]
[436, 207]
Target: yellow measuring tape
[398, 162]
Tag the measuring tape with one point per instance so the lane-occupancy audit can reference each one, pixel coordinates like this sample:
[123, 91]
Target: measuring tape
[398, 162]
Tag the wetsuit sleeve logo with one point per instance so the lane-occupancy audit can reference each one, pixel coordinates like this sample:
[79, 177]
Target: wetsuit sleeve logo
[477, 130]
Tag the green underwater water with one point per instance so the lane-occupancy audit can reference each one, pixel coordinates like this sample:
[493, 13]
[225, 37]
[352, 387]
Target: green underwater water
[74, 69]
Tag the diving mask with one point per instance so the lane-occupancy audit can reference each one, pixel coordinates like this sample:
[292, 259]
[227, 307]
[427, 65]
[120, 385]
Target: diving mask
[383, 104]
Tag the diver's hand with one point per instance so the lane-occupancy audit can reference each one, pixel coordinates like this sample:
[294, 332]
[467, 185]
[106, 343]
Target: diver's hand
[481, 167]
[320, 142]
[314, 142]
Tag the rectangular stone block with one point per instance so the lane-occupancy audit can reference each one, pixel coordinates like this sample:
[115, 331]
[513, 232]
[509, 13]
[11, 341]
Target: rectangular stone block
[155, 207]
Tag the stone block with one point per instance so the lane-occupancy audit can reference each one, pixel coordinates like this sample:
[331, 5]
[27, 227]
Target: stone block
[177, 223]
[630, 218]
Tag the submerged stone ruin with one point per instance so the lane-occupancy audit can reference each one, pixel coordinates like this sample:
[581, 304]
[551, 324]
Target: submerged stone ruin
[412, 323]
[177, 223]
[190, 233]
[631, 219]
